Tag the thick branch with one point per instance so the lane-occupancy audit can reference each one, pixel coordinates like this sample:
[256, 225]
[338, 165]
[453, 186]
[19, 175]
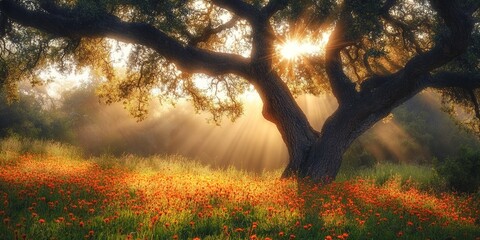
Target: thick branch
[239, 8]
[342, 87]
[409, 80]
[74, 25]
[473, 7]
[457, 80]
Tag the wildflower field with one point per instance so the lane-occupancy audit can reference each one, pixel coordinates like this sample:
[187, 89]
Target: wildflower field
[63, 196]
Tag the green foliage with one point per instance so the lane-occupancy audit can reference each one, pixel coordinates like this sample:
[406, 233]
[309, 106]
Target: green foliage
[365, 19]
[425, 178]
[433, 129]
[456, 101]
[462, 172]
[317, 12]
[29, 118]
[357, 157]
[429, 134]
[13, 147]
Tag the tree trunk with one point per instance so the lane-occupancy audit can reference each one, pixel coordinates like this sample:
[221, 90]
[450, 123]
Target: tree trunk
[323, 158]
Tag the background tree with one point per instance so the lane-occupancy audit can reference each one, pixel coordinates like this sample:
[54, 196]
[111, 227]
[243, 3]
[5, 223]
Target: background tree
[31, 117]
[379, 54]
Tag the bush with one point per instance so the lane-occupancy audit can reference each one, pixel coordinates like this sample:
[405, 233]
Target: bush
[30, 118]
[462, 172]
[357, 157]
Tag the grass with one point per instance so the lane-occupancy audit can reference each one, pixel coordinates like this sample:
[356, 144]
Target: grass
[424, 178]
[56, 194]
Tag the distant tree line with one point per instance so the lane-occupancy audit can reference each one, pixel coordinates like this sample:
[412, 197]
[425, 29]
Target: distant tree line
[29, 117]
[433, 136]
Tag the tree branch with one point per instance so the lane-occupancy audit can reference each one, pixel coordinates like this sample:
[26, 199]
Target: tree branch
[239, 7]
[210, 31]
[473, 7]
[342, 87]
[466, 81]
[73, 25]
[406, 31]
[409, 78]
[274, 6]
[451, 46]
[476, 107]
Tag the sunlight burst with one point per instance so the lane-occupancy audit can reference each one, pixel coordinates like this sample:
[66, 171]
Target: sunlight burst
[294, 48]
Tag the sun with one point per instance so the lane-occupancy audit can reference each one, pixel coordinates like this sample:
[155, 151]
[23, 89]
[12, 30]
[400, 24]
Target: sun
[294, 48]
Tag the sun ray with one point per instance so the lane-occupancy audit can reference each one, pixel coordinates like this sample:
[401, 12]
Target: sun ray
[295, 47]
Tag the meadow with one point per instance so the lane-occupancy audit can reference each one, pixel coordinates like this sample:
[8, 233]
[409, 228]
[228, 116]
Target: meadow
[50, 191]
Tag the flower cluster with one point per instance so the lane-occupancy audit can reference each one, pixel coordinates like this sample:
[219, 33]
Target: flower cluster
[44, 197]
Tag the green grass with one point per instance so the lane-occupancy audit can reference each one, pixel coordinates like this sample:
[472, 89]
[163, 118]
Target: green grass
[423, 177]
[48, 191]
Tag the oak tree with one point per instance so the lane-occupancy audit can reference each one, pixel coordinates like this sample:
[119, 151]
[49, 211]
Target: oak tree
[379, 54]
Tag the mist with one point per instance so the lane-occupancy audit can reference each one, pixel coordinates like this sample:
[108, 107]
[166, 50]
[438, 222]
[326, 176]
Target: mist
[250, 143]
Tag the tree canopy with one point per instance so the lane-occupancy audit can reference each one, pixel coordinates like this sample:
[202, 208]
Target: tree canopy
[378, 55]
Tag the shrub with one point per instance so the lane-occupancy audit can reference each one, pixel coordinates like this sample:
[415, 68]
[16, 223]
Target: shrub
[357, 157]
[462, 172]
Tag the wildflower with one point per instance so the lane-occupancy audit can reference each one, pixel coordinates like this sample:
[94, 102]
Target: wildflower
[281, 234]
[81, 224]
[328, 237]
[308, 226]
[41, 220]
